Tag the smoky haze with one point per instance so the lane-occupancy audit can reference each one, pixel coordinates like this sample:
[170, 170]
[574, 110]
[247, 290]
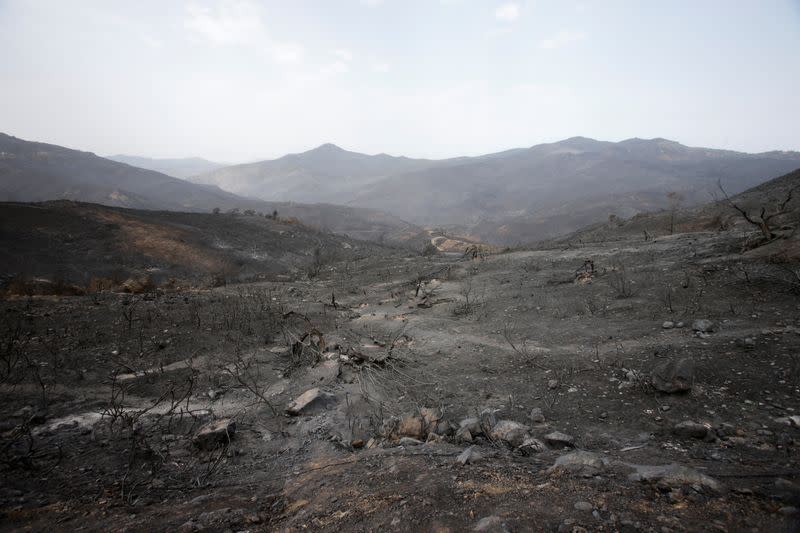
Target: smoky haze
[244, 80]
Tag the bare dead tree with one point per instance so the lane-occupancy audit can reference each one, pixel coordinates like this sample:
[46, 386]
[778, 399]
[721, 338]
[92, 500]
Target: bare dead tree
[762, 220]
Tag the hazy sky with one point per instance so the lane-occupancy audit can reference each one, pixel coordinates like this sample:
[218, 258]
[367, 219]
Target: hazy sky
[236, 80]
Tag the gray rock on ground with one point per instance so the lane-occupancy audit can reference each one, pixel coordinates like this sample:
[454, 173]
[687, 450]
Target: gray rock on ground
[215, 433]
[673, 376]
[674, 475]
[311, 401]
[703, 325]
[510, 432]
[557, 439]
[469, 455]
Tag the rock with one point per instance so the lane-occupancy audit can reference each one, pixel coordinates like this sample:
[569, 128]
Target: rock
[673, 475]
[215, 433]
[490, 524]
[357, 443]
[668, 325]
[789, 510]
[509, 431]
[537, 416]
[412, 426]
[473, 425]
[583, 506]
[680, 325]
[552, 384]
[689, 429]
[325, 372]
[673, 376]
[408, 441]
[531, 446]
[464, 435]
[313, 400]
[556, 439]
[469, 455]
[431, 419]
[579, 459]
[703, 325]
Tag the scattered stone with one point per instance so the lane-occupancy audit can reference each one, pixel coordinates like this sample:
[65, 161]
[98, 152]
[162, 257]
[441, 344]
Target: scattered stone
[408, 441]
[531, 446]
[215, 433]
[537, 416]
[673, 475]
[473, 425]
[469, 455]
[557, 439]
[411, 426]
[584, 506]
[464, 435]
[668, 325]
[313, 400]
[511, 432]
[689, 429]
[489, 524]
[673, 376]
[578, 459]
[703, 325]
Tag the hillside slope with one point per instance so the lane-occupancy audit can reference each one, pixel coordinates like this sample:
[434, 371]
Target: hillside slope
[37, 172]
[514, 196]
[78, 241]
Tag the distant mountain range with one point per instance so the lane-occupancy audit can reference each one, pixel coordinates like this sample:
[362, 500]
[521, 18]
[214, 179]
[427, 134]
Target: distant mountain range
[37, 172]
[511, 197]
[177, 168]
[519, 195]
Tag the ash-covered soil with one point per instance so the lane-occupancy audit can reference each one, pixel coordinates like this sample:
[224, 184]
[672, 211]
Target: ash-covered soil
[627, 386]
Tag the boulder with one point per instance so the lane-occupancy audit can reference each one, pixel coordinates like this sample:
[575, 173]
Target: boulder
[556, 439]
[472, 424]
[412, 426]
[668, 325]
[215, 433]
[703, 325]
[673, 376]
[510, 432]
[579, 459]
[673, 475]
[469, 455]
[531, 446]
[311, 401]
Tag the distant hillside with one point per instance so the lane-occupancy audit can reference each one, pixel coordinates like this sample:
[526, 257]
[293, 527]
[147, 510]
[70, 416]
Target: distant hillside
[78, 241]
[37, 172]
[716, 215]
[515, 196]
[177, 168]
[325, 174]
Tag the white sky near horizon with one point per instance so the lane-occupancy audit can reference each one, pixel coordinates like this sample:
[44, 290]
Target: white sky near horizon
[241, 80]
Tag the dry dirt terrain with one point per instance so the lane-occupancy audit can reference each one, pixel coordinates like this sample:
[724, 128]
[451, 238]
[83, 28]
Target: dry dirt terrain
[645, 383]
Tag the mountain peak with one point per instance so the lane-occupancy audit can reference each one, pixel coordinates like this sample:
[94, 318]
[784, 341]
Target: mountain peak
[327, 147]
